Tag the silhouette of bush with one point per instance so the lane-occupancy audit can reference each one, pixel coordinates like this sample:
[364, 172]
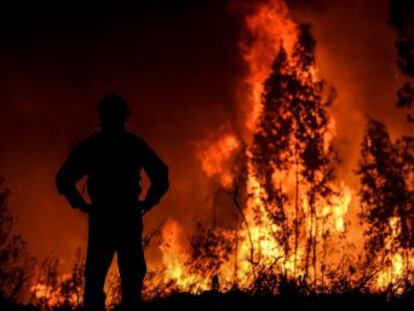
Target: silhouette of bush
[15, 263]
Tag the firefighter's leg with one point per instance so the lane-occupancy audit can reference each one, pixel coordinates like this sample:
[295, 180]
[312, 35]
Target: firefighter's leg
[132, 269]
[98, 260]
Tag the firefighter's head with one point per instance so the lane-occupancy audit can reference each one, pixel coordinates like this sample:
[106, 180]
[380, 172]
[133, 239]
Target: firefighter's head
[113, 112]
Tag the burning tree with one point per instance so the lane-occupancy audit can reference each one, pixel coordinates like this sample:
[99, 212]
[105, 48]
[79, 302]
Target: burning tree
[293, 136]
[386, 193]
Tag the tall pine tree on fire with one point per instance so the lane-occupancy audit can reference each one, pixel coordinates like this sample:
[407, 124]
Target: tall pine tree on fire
[292, 136]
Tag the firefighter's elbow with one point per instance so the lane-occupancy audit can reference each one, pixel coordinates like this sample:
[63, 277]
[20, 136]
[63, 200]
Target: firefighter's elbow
[60, 182]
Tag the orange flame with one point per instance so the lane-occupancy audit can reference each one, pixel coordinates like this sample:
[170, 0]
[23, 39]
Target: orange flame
[268, 26]
[215, 157]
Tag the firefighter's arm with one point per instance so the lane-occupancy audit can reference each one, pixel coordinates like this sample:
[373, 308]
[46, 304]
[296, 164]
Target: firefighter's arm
[72, 170]
[157, 172]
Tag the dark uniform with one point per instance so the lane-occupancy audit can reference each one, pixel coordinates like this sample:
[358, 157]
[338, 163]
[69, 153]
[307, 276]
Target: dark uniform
[112, 163]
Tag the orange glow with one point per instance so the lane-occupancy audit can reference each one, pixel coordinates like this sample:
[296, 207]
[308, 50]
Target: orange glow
[254, 237]
[270, 26]
[215, 156]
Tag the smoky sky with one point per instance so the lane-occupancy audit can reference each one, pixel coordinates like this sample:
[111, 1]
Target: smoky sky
[179, 66]
[175, 63]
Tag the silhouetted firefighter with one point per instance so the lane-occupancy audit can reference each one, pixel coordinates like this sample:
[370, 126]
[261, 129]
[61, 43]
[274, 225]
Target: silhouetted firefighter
[112, 160]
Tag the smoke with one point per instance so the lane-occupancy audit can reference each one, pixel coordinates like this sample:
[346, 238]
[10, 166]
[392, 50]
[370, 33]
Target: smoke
[355, 54]
[176, 68]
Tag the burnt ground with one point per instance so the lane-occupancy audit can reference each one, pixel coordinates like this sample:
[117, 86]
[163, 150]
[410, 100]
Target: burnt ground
[242, 301]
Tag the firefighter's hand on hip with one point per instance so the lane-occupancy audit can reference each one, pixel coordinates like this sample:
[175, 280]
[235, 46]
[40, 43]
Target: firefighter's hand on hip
[85, 207]
[144, 207]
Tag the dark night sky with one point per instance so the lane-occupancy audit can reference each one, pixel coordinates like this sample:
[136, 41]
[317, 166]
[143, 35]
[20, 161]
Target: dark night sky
[178, 64]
